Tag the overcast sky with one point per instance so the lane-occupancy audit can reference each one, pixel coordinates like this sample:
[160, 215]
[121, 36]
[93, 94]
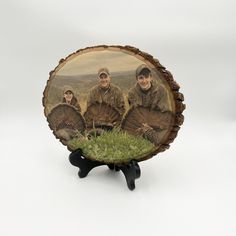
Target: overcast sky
[90, 62]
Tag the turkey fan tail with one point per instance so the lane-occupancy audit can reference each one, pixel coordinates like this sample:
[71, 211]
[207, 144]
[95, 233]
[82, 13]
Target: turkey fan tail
[101, 114]
[147, 122]
[65, 120]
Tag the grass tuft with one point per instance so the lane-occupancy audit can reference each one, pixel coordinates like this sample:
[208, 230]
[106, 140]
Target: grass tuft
[114, 146]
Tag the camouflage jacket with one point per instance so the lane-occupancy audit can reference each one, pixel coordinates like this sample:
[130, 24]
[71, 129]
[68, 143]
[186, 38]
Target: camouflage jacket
[156, 97]
[112, 96]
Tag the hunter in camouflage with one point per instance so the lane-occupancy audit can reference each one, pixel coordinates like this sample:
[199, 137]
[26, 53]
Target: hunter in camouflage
[106, 92]
[146, 92]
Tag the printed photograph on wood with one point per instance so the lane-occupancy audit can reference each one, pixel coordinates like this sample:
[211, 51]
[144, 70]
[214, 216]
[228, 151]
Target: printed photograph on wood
[114, 103]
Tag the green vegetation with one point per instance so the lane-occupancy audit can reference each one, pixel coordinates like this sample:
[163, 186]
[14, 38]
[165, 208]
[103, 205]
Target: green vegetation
[113, 147]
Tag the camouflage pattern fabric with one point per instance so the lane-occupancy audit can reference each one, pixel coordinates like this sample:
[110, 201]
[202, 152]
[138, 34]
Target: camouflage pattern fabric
[112, 96]
[155, 97]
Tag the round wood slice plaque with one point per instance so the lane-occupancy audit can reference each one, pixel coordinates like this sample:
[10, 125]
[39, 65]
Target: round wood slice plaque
[115, 103]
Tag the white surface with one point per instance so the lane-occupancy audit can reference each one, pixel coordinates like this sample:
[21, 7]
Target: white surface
[187, 190]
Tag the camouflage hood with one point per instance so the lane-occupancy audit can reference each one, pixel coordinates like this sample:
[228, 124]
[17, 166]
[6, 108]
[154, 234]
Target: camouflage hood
[68, 88]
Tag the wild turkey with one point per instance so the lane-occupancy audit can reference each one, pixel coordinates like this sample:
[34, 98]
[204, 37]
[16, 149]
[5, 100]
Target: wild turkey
[66, 122]
[146, 122]
[102, 115]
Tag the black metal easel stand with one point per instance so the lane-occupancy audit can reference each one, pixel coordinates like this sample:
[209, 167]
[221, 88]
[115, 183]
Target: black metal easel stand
[131, 170]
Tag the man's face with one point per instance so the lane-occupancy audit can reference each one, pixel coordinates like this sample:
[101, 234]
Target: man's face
[68, 95]
[104, 80]
[145, 81]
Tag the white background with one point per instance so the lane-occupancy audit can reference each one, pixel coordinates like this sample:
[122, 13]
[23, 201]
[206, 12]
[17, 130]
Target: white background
[188, 190]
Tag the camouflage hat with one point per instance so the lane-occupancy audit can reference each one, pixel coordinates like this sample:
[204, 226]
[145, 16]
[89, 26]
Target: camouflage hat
[103, 71]
[142, 69]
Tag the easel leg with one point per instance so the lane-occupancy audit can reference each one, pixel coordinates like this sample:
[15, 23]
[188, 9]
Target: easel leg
[84, 165]
[131, 171]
